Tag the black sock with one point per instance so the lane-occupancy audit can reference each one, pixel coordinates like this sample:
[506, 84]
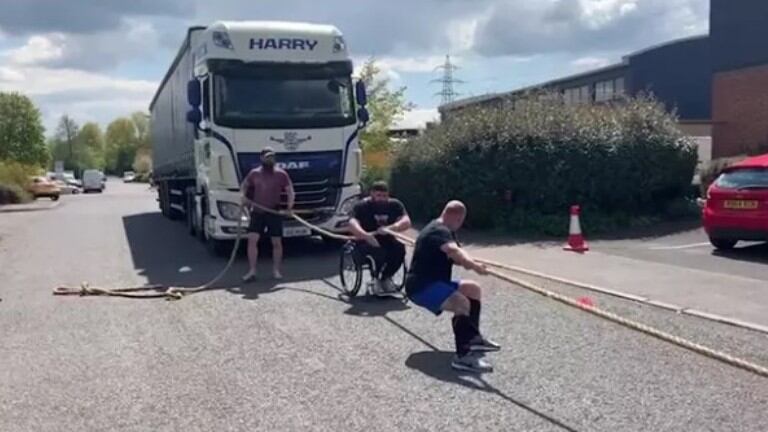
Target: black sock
[463, 332]
[474, 313]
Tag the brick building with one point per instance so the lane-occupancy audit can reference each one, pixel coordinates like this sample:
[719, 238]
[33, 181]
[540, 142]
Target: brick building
[739, 37]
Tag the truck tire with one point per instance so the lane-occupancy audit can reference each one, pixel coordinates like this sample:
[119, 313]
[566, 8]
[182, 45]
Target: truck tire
[203, 212]
[173, 214]
[162, 195]
[191, 212]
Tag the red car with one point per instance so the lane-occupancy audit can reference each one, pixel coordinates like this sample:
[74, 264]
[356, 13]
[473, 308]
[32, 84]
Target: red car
[737, 204]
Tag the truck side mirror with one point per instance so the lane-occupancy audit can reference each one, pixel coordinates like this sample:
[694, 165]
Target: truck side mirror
[362, 96]
[194, 98]
[194, 116]
[363, 115]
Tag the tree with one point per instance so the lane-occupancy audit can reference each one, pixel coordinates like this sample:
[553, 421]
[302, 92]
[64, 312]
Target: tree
[142, 163]
[385, 106]
[64, 144]
[121, 145]
[66, 133]
[141, 122]
[91, 142]
[21, 130]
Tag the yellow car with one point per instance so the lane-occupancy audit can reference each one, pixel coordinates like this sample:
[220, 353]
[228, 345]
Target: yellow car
[42, 187]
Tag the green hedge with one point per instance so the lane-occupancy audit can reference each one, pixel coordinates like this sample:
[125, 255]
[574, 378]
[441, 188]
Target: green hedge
[13, 194]
[14, 177]
[522, 169]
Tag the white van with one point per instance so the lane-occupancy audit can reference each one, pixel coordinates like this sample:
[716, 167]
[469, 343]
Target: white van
[93, 181]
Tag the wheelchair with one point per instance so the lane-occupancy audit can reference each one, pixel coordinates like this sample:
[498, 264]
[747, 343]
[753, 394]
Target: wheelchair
[356, 269]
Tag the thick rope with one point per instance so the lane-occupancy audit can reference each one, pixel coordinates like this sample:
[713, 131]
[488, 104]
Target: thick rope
[155, 291]
[176, 293]
[676, 340]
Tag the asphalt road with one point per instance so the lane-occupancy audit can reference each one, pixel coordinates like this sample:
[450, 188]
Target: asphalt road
[297, 356]
[691, 249]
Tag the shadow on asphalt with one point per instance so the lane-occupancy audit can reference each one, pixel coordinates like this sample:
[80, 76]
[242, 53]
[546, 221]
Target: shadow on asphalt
[166, 255]
[436, 364]
[757, 253]
[363, 305]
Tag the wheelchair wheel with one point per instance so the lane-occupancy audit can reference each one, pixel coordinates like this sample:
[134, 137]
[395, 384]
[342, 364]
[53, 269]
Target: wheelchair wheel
[399, 277]
[350, 271]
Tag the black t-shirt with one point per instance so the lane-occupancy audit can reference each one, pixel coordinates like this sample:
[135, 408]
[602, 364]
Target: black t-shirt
[373, 215]
[430, 263]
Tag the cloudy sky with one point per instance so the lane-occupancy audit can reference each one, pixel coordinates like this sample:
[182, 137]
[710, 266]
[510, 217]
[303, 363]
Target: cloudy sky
[98, 59]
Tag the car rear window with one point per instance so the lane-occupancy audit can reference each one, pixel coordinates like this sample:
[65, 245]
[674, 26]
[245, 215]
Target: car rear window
[748, 178]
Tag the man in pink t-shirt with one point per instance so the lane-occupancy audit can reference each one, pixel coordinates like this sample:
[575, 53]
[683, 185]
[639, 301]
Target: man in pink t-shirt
[263, 187]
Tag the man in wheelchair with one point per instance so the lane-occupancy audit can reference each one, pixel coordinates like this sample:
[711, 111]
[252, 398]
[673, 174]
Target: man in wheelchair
[369, 219]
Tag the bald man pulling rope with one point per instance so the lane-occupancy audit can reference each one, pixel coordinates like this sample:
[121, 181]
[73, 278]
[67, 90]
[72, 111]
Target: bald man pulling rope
[430, 286]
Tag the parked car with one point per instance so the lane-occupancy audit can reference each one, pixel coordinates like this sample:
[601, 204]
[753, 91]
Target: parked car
[129, 176]
[41, 187]
[736, 207]
[93, 181]
[66, 189]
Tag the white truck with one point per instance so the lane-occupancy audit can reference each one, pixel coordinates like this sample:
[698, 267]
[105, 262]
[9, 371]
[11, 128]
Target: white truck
[237, 87]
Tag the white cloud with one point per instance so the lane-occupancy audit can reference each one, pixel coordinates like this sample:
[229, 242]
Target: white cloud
[598, 13]
[588, 63]
[585, 26]
[39, 49]
[86, 96]
[134, 40]
[10, 75]
[414, 64]
[416, 118]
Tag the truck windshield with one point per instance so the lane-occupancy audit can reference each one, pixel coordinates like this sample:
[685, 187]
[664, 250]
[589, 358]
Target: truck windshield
[268, 97]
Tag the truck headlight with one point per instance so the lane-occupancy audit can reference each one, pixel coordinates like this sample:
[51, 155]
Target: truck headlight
[345, 209]
[229, 211]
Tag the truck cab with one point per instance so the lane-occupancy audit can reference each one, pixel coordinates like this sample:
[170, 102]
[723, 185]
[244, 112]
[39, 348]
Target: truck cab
[244, 86]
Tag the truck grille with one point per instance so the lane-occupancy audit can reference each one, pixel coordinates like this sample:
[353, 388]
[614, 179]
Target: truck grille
[315, 175]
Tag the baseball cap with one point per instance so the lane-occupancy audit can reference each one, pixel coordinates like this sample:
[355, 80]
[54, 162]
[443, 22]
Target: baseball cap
[268, 151]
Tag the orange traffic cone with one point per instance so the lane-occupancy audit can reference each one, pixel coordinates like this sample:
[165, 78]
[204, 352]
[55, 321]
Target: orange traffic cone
[576, 241]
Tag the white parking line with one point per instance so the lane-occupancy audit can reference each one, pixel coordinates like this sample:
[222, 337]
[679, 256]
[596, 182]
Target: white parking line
[688, 246]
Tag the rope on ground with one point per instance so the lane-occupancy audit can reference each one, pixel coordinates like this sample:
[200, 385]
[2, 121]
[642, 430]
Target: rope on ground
[633, 325]
[155, 291]
[177, 293]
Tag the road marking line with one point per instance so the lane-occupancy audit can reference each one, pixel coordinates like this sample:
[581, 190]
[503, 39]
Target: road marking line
[688, 246]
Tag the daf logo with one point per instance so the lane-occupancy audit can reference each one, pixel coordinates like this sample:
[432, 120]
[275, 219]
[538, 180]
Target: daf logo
[293, 165]
[291, 140]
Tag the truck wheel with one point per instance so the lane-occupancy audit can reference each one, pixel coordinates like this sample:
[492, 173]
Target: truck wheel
[162, 196]
[201, 234]
[191, 213]
[173, 214]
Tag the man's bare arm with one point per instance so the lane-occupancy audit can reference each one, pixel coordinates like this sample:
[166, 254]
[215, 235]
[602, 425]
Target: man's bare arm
[402, 224]
[460, 257]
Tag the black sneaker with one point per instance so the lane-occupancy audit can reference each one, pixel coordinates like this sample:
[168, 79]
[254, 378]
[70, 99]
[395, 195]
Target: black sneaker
[481, 344]
[471, 363]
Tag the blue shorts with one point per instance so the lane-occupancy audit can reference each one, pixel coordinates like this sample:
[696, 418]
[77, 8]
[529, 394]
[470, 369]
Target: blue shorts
[432, 296]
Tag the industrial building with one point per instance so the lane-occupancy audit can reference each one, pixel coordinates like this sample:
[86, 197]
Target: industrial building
[677, 73]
